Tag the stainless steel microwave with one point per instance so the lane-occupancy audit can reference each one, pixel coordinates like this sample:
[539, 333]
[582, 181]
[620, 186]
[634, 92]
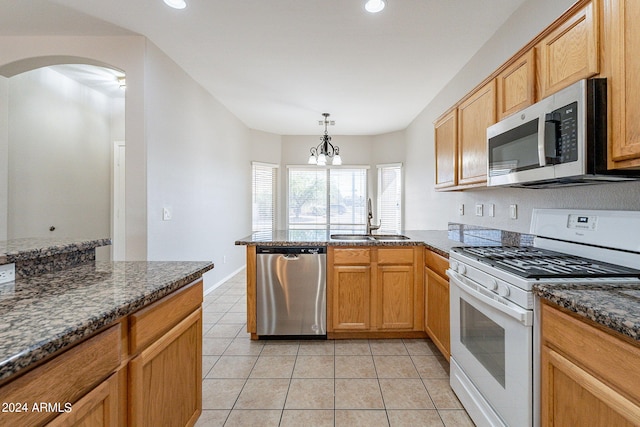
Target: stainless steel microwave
[560, 140]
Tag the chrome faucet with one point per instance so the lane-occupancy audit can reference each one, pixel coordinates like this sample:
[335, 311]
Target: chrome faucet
[370, 227]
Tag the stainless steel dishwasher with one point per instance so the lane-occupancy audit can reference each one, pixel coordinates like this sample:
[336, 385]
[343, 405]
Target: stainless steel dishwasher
[291, 291]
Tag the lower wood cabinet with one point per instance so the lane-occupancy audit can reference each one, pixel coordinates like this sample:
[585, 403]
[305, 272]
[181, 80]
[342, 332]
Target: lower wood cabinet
[374, 290]
[589, 377]
[436, 318]
[144, 370]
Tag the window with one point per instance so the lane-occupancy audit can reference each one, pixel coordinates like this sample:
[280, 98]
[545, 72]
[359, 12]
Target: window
[390, 197]
[327, 197]
[263, 196]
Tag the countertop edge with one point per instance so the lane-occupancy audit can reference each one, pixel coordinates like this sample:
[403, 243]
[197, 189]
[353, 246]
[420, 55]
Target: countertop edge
[76, 333]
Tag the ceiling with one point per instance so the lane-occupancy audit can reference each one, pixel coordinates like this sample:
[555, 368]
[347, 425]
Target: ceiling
[278, 64]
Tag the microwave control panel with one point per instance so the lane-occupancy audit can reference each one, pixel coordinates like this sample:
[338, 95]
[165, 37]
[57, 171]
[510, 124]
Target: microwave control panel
[561, 132]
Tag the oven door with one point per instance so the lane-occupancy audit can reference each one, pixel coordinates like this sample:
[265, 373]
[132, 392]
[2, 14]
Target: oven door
[492, 354]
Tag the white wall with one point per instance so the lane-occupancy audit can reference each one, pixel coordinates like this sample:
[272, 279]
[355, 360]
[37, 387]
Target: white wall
[59, 157]
[198, 166]
[4, 155]
[125, 53]
[427, 209]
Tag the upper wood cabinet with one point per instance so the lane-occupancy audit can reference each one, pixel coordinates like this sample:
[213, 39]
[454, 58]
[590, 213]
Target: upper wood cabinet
[446, 143]
[516, 85]
[622, 45]
[570, 51]
[475, 114]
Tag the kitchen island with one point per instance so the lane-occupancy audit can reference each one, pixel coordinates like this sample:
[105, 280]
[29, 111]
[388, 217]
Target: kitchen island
[82, 340]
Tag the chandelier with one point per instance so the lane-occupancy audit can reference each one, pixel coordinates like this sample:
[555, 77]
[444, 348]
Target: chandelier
[325, 149]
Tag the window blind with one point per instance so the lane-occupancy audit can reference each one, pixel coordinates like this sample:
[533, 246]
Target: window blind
[263, 196]
[390, 197]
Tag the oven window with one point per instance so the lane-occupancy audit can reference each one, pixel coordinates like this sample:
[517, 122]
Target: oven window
[484, 339]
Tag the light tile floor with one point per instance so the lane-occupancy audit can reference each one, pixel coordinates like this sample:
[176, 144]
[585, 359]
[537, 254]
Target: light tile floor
[317, 383]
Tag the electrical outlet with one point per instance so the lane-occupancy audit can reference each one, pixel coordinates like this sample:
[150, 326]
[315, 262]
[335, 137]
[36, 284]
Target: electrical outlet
[492, 210]
[7, 273]
[513, 211]
[461, 209]
[479, 210]
[224, 259]
[166, 214]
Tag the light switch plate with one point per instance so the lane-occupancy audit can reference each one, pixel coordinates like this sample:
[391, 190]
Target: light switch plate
[461, 209]
[166, 214]
[513, 211]
[479, 210]
[492, 210]
[7, 273]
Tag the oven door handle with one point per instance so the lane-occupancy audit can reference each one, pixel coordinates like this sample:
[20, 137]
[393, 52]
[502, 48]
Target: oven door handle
[521, 315]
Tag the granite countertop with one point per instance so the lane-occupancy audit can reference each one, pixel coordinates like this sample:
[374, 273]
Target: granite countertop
[29, 248]
[616, 306]
[42, 314]
[436, 240]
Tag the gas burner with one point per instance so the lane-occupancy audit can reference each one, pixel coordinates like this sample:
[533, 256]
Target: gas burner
[535, 263]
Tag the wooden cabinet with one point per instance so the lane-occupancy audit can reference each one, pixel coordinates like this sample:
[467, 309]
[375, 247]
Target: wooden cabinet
[516, 85]
[374, 290]
[144, 370]
[446, 144]
[570, 51]
[436, 317]
[165, 378]
[621, 46]
[475, 114]
[396, 289]
[589, 377]
[98, 408]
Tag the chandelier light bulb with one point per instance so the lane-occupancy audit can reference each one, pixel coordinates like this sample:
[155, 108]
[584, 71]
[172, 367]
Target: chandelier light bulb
[374, 6]
[322, 160]
[337, 160]
[176, 4]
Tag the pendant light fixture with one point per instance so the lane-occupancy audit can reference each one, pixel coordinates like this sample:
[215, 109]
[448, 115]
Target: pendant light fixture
[325, 149]
[374, 6]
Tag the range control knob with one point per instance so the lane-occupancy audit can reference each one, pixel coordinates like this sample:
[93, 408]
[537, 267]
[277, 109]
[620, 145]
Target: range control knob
[503, 291]
[492, 284]
[462, 269]
[454, 265]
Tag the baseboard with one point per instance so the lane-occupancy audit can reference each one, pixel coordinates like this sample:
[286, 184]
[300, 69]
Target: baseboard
[224, 279]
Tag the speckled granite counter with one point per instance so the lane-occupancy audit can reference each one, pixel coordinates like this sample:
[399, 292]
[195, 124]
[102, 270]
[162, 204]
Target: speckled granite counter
[439, 241]
[42, 314]
[614, 306]
[40, 255]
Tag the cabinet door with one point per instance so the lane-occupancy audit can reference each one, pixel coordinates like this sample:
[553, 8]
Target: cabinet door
[622, 47]
[395, 297]
[351, 297]
[166, 377]
[98, 408]
[516, 85]
[572, 396]
[437, 311]
[446, 141]
[570, 51]
[475, 115]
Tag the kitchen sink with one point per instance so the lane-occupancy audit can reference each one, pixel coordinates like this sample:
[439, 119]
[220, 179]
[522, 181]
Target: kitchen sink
[389, 237]
[351, 237]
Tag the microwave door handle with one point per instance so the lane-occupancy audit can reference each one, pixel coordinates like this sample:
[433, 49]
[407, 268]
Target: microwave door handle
[542, 155]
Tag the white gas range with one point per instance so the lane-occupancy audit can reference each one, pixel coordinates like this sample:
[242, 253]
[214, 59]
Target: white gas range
[494, 336]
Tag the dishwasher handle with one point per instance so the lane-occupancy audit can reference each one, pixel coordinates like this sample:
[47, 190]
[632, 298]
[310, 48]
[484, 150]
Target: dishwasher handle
[292, 250]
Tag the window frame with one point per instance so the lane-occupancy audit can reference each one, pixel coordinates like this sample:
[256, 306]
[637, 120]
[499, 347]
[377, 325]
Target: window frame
[327, 169]
[379, 197]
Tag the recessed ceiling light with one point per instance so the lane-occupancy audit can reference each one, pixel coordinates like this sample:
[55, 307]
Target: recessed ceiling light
[373, 6]
[176, 4]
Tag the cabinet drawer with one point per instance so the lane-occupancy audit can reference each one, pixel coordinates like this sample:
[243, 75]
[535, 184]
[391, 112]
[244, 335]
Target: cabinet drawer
[352, 256]
[395, 256]
[600, 353]
[64, 379]
[151, 322]
[436, 263]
